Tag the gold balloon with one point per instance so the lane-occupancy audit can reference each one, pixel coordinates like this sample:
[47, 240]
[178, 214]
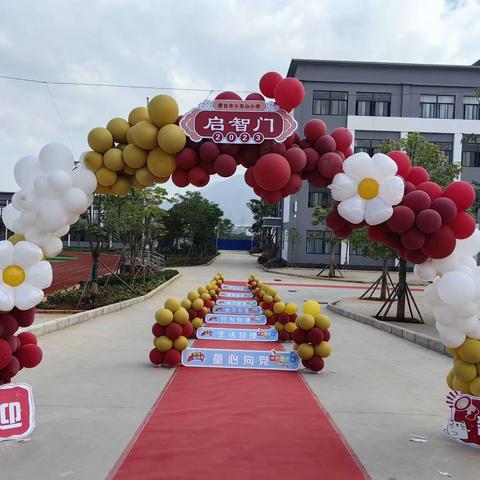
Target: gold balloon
[171, 138]
[137, 115]
[450, 379]
[100, 139]
[290, 327]
[122, 186]
[118, 127]
[469, 351]
[129, 135]
[305, 321]
[163, 343]
[181, 316]
[134, 156]
[172, 304]
[279, 326]
[144, 135]
[291, 308]
[466, 372]
[164, 316]
[144, 177]
[137, 185]
[197, 322]
[129, 170]
[460, 386]
[475, 387]
[181, 343]
[186, 303]
[103, 190]
[93, 161]
[323, 322]
[113, 159]
[106, 177]
[305, 351]
[15, 238]
[160, 163]
[162, 110]
[323, 349]
[311, 307]
[162, 179]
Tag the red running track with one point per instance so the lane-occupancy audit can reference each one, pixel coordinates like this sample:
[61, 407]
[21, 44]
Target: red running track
[70, 272]
[225, 424]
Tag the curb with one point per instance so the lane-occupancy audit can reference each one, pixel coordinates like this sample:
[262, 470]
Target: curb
[414, 337]
[211, 261]
[70, 320]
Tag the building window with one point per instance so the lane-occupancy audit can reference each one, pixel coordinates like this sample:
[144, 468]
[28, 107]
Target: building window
[329, 103]
[470, 108]
[368, 146]
[319, 198]
[358, 251]
[446, 148]
[318, 242]
[437, 106]
[373, 104]
[471, 159]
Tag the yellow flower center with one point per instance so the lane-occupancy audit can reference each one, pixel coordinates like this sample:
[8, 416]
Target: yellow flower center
[368, 188]
[14, 275]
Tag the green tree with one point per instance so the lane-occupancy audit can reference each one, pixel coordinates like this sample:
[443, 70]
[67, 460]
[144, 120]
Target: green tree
[293, 239]
[224, 228]
[266, 236]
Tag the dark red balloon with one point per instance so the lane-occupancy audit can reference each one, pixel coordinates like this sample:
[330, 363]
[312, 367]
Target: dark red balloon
[158, 330]
[312, 159]
[272, 172]
[5, 353]
[418, 175]
[315, 336]
[304, 143]
[250, 177]
[414, 256]
[393, 240]
[329, 164]
[8, 325]
[289, 93]
[172, 357]
[314, 129]
[299, 336]
[192, 313]
[225, 165]
[462, 193]
[180, 178]
[334, 220]
[25, 318]
[186, 158]
[403, 219]
[342, 155]
[446, 208]
[228, 96]
[326, 335]
[247, 155]
[230, 149]
[431, 188]
[198, 176]
[297, 159]
[317, 180]
[156, 357]
[343, 138]
[14, 343]
[270, 146]
[268, 82]
[283, 336]
[409, 187]
[255, 96]
[29, 355]
[209, 151]
[173, 330]
[316, 363]
[440, 244]
[283, 318]
[11, 369]
[348, 152]
[294, 185]
[27, 338]
[417, 200]
[343, 232]
[463, 225]
[428, 221]
[378, 233]
[404, 164]
[413, 239]
[187, 330]
[325, 144]
[271, 198]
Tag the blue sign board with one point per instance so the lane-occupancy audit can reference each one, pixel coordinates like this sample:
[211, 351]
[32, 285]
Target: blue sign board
[236, 319]
[236, 288]
[245, 359]
[238, 310]
[236, 303]
[236, 294]
[239, 334]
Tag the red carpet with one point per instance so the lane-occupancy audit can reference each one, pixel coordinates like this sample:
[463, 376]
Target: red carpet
[224, 424]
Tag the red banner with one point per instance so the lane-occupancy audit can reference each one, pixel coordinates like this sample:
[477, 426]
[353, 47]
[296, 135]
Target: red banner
[17, 411]
[464, 423]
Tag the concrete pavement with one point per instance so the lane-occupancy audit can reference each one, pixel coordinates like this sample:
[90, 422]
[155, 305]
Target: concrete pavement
[95, 386]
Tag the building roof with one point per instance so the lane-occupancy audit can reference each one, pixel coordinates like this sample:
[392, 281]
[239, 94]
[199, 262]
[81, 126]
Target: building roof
[297, 61]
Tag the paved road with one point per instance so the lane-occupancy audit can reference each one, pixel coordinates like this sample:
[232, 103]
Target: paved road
[95, 387]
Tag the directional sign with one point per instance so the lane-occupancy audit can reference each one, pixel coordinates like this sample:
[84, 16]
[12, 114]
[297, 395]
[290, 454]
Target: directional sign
[237, 303]
[236, 288]
[238, 334]
[239, 310]
[244, 359]
[236, 319]
[236, 294]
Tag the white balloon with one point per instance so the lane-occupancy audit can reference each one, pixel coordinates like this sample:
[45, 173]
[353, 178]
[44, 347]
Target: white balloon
[73, 219]
[35, 235]
[29, 218]
[466, 324]
[19, 226]
[469, 262]
[26, 171]
[444, 316]
[456, 287]
[446, 264]
[24, 199]
[452, 339]
[469, 246]
[9, 215]
[432, 295]
[60, 181]
[467, 309]
[62, 231]
[85, 180]
[475, 331]
[425, 271]
[51, 215]
[75, 201]
[41, 188]
[56, 156]
[52, 246]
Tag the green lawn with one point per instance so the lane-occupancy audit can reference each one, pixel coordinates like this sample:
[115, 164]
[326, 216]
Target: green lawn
[60, 259]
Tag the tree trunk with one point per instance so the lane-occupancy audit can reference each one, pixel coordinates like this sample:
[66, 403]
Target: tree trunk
[94, 277]
[383, 291]
[402, 290]
[331, 269]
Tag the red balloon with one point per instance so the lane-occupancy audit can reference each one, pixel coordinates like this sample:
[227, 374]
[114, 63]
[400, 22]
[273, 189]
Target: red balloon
[192, 314]
[334, 220]
[326, 335]
[230, 148]
[428, 221]
[431, 188]
[11, 369]
[271, 198]
[247, 155]
[228, 96]
[173, 330]
[180, 178]
[413, 239]
[29, 355]
[342, 155]
[325, 144]
[209, 151]
[258, 191]
[393, 240]
[290, 140]
[348, 152]
[283, 318]
[317, 180]
[283, 336]
[409, 187]
[268, 83]
[463, 225]
[316, 363]
[403, 219]
[314, 129]
[198, 176]
[8, 325]
[27, 338]
[297, 159]
[158, 330]
[208, 167]
[417, 200]
[299, 336]
[378, 233]
[201, 314]
[156, 357]
[344, 231]
[225, 165]
[304, 143]
[404, 164]
[289, 93]
[315, 336]
[255, 96]
[5, 353]
[414, 256]
[14, 343]
[294, 185]
[250, 177]
[172, 357]
[343, 138]
[312, 159]
[462, 193]
[446, 208]
[272, 172]
[329, 164]
[186, 158]
[24, 317]
[418, 175]
[440, 244]
[270, 146]
[187, 330]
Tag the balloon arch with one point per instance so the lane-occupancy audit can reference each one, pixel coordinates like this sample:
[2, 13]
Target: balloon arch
[398, 204]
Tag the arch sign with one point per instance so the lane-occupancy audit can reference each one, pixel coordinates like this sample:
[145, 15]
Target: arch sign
[398, 204]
